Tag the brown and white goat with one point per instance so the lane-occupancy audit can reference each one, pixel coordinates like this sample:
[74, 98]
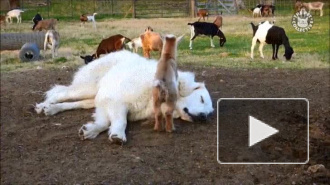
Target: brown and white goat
[151, 41]
[52, 41]
[165, 88]
[314, 6]
[135, 44]
[111, 44]
[84, 18]
[202, 13]
[46, 24]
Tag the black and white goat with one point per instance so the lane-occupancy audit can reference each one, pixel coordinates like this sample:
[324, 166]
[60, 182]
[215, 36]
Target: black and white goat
[36, 19]
[267, 33]
[208, 29]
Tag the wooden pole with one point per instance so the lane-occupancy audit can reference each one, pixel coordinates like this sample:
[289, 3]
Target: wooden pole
[192, 9]
[133, 9]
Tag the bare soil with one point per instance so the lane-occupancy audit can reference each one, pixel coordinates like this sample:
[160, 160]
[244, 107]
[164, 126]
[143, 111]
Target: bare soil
[36, 149]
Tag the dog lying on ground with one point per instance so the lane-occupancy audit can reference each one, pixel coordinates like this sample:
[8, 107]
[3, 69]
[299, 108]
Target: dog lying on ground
[120, 92]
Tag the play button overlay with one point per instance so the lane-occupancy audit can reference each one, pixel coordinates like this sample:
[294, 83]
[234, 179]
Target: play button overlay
[259, 131]
[263, 131]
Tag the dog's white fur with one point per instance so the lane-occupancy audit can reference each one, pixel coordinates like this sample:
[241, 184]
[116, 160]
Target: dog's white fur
[119, 85]
[14, 13]
[52, 41]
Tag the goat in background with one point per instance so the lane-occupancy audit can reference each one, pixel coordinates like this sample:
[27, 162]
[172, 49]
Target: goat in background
[84, 18]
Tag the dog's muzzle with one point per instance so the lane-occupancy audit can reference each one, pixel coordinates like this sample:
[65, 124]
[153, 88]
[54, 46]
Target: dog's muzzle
[200, 117]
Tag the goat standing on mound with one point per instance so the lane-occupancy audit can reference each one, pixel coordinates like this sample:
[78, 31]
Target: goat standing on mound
[270, 34]
[165, 88]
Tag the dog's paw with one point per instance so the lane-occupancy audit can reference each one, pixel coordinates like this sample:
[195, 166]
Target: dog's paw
[117, 138]
[39, 107]
[88, 131]
[51, 109]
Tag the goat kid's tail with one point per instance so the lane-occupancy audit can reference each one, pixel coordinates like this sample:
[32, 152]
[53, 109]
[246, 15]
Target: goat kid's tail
[191, 24]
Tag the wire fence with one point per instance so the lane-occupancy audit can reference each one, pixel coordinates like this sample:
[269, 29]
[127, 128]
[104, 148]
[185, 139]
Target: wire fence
[72, 9]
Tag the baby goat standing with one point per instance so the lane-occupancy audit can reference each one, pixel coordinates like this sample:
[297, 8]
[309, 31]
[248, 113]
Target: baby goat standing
[84, 18]
[52, 41]
[165, 89]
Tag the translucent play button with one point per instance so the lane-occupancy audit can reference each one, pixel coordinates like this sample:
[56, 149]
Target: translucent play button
[259, 131]
[262, 131]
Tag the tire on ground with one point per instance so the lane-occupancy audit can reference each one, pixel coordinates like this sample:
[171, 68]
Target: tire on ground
[29, 52]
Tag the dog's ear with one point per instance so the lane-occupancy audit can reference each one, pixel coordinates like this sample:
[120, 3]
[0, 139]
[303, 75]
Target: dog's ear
[82, 57]
[187, 84]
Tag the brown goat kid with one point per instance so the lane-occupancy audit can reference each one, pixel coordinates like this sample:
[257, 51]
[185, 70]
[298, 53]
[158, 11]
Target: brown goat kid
[47, 24]
[165, 89]
[151, 41]
[111, 44]
[202, 13]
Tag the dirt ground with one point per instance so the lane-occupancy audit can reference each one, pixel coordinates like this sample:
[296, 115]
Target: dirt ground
[36, 149]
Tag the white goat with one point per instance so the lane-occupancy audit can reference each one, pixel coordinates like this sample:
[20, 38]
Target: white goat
[135, 44]
[14, 13]
[314, 6]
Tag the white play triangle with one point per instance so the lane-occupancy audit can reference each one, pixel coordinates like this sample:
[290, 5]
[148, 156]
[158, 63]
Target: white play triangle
[259, 131]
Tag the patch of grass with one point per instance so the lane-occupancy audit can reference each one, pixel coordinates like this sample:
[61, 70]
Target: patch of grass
[60, 60]
[311, 48]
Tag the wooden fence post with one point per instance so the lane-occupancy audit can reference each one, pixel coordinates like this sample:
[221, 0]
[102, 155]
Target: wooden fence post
[192, 8]
[133, 9]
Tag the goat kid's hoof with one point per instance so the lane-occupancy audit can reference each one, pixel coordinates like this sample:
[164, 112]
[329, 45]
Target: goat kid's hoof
[158, 129]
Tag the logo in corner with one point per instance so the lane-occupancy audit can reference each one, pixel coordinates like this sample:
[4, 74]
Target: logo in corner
[302, 21]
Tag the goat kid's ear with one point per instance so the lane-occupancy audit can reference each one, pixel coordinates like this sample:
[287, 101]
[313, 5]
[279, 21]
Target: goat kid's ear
[187, 89]
[179, 39]
[82, 57]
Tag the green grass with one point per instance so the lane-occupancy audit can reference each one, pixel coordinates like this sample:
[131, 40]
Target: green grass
[311, 48]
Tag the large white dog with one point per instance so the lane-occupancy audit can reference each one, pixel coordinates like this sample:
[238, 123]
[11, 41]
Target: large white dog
[120, 85]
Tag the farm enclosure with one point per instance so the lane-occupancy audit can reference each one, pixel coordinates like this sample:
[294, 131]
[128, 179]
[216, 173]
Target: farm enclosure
[47, 150]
